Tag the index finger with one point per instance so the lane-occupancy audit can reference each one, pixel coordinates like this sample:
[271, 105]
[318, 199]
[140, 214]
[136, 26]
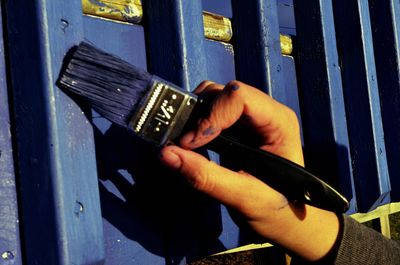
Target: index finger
[275, 123]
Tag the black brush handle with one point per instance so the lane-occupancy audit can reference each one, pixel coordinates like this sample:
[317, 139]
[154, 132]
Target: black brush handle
[290, 179]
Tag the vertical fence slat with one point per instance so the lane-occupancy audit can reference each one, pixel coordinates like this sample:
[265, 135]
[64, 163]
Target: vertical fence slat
[221, 7]
[257, 55]
[175, 43]
[325, 133]
[354, 40]
[258, 59]
[10, 249]
[57, 169]
[385, 23]
[123, 164]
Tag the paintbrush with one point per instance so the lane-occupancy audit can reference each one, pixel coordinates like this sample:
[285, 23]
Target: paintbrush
[158, 111]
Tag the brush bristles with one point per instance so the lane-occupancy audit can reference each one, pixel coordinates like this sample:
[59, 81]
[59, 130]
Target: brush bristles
[112, 86]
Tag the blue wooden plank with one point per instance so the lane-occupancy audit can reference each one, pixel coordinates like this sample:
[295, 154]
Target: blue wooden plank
[327, 149]
[291, 86]
[176, 52]
[221, 7]
[286, 17]
[10, 249]
[354, 40]
[56, 163]
[285, 12]
[256, 42]
[122, 39]
[385, 22]
[220, 61]
[176, 41]
[146, 236]
[129, 239]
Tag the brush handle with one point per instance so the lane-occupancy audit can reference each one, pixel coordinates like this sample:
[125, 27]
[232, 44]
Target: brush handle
[292, 180]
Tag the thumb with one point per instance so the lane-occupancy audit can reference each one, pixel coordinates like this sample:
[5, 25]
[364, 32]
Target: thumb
[240, 191]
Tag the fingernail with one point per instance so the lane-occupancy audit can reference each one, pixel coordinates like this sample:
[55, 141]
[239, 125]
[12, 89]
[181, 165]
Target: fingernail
[171, 159]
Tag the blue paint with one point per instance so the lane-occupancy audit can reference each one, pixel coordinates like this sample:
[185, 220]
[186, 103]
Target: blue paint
[169, 223]
[354, 40]
[258, 59]
[10, 243]
[285, 12]
[124, 40]
[132, 219]
[177, 26]
[105, 83]
[220, 61]
[286, 17]
[292, 96]
[234, 88]
[209, 131]
[54, 141]
[181, 59]
[221, 7]
[326, 143]
[385, 22]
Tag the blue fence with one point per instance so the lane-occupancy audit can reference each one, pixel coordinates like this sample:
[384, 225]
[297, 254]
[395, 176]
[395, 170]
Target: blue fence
[75, 189]
[348, 66]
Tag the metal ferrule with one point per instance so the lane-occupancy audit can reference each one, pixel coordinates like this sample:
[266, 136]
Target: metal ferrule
[163, 113]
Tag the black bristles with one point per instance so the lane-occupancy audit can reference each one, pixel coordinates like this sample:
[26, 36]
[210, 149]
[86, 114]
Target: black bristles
[112, 86]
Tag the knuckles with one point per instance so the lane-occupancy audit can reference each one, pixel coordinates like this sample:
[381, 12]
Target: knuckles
[234, 83]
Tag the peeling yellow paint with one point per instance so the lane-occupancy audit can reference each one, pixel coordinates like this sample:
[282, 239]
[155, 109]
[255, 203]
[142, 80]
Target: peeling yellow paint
[286, 44]
[121, 10]
[216, 27]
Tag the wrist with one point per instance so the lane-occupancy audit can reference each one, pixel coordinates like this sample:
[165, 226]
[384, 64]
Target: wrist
[305, 231]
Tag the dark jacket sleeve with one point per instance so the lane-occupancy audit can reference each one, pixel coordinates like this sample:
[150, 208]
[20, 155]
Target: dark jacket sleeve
[359, 245]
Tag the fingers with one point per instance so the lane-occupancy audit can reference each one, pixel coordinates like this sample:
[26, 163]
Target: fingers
[222, 184]
[221, 115]
[265, 210]
[274, 122]
[208, 86]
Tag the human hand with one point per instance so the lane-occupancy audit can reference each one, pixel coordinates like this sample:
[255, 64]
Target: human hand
[274, 123]
[267, 211]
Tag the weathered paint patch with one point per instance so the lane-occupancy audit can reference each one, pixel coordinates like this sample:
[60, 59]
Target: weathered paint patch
[217, 27]
[121, 10]
[286, 44]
